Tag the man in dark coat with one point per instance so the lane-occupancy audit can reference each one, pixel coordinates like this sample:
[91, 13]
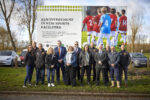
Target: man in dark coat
[124, 63]
[93, 50]
[40, 64]
[100, 58]
[77, 51]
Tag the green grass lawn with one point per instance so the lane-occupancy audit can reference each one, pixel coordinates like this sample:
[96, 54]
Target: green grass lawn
[12, 79]
[147, 55]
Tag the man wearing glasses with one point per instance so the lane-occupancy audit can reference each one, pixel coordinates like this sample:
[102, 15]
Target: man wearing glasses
[77, 50]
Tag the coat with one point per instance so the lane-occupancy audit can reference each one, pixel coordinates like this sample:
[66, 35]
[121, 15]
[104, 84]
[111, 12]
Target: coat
[82, 58]
[102, 58]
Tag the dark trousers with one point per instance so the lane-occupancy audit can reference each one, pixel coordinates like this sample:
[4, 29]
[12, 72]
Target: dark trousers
[32, 69]
[88, 71]
[28, 75]
[40, 72]
[114, 71]
[78, 72]
[94, 71]
[107, 77]
[70, 75]
[100, 70]
[50, 73]
[60, 65]
[125, 70]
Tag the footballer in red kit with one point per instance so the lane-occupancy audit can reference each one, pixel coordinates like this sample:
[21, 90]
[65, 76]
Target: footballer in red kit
[96, 28]
[113, 25]
[123, 26]
[88, 20]
[96, 20]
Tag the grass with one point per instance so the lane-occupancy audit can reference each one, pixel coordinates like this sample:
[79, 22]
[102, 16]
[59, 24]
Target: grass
[147, 55]
[12, 79]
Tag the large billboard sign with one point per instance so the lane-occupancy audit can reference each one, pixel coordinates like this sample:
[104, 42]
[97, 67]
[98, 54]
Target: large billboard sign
[59, 23]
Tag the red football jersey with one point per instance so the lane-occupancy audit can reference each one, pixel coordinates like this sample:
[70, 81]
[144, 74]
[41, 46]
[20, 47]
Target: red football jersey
[96, 28]
[89, 22]
[96, 23]
[123, 23]
[113, 22]
[97, 18]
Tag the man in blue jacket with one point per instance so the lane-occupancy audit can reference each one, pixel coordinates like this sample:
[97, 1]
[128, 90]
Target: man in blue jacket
[60, 53]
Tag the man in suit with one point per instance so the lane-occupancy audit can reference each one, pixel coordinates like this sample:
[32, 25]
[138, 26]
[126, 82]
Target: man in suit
[60, 53]
[100, 58]
[93, 50]
[77, 51]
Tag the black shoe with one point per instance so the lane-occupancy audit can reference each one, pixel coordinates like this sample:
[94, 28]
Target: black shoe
[73, 85]
[97, 84]
[81, 84]
[42, 83]
[58, 83]
[93, 80]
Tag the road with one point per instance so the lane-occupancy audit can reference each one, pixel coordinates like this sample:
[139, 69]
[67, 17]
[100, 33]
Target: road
[65, 97]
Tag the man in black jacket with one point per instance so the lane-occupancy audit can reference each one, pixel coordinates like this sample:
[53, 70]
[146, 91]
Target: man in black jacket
[93, 50]
[107, 65]
[40, 64]
[100, 58]
[124, 63]
[77, 51]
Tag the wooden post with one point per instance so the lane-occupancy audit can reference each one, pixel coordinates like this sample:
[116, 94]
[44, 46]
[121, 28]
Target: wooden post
[16, 62]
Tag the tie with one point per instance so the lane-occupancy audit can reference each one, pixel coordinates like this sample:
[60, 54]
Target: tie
[100, 53]
[59, 51]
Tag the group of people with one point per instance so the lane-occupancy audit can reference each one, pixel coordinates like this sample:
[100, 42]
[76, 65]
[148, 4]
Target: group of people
[105, 25]
[74, 62]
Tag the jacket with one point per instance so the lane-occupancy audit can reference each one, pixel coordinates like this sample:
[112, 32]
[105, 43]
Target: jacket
[62, 53]
[78, 54]
[73, 60]
[50, 60]
[124, 58]
[102, 58]
[113, 58]
[29, 59]
[93, 51]
[40, 58]
[82, 58]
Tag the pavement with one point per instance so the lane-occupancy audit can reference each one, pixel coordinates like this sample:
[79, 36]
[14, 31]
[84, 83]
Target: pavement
[42, 95]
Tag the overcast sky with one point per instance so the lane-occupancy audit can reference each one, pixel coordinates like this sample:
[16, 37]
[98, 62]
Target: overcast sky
[133, 6]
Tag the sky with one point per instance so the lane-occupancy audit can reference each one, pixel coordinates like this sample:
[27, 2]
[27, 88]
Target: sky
[133, 6]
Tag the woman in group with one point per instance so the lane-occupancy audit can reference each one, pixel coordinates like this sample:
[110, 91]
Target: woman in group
[50, 61]
[70, 61]
[85, 62]
[29, 62]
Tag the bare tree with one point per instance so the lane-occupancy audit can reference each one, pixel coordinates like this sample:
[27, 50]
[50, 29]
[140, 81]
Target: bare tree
[6, 14]
[135, 24]
[29, 18]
